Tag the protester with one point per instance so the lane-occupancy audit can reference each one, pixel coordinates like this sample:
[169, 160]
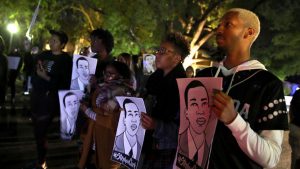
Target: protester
[28, 66]
[251, 109]
[3, 73]
[52, 73]
[104, 115]
[162, 118]
[190, 72]
[13, 74]
[127, 59]
[102, 43]
[294, 135]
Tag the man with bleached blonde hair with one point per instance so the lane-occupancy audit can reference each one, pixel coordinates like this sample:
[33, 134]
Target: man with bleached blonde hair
[251, 108]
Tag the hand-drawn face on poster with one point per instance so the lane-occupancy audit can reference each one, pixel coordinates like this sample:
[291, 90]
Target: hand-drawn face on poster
[130, 135]
[83, 68]
[149, 64]
[197, 121]
[69, 101]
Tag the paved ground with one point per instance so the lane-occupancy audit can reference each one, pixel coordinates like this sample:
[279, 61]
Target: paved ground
[17, 146]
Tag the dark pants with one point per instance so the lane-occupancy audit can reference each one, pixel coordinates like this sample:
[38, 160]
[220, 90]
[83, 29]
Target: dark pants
[40, 133]
[159, 159]
[2, 94]
[44, 107]
[13, 74]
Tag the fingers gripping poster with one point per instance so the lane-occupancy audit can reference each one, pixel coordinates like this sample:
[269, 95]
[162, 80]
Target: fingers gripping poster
[130, 135]
[197, 122]
[69, 101]
[83, 68]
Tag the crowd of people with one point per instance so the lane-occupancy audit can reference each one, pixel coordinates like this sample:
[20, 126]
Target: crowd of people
[251, 109]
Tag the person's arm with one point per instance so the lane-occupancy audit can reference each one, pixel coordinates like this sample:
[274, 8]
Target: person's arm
[263, 148]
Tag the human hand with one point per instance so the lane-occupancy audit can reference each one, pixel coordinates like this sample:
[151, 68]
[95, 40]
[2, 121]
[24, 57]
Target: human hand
[83, 107]
[148, 122]
[223, 107]
[41, 72]
[93, 80]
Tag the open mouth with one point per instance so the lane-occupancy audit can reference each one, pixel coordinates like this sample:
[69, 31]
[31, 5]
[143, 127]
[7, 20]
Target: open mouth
[133, 127]
[201, 121]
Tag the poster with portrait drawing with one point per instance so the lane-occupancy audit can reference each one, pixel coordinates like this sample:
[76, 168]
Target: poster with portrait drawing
[69, 102]
[83, 68]
[149, 64]
[130, 134]
[197, 121]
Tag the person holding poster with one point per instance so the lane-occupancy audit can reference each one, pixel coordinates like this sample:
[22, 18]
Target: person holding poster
[104, 115]
[52, 73]
[251, 108]
[162, 122]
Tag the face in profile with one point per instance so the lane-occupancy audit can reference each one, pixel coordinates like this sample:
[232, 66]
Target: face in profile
[83, 70]
[132, 118]
[198, 110]
[71, 106]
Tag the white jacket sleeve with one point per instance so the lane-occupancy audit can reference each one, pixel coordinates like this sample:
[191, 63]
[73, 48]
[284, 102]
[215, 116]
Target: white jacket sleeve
[263, 148]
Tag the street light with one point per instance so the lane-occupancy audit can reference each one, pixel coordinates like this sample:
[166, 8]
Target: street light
[12, 29]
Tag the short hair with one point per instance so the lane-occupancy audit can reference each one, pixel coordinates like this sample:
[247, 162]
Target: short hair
[126, 101]
[250, 18]
[121, 68]
[106, 37]
[192, 84]
[180, 44]
[67, 95]
[79, 59]
[63, 38]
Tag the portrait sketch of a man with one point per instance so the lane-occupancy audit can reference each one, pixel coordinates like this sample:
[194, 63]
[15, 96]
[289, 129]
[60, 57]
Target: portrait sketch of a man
[130, 135]
[149, 64]
[69, 106]
[83, 68]
[195, 136]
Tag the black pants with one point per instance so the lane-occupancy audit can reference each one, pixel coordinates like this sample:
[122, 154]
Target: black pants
[44, 106]
[40, 132]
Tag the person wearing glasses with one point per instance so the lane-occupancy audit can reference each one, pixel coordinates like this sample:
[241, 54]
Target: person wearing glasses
[104, 115]
[162, 122]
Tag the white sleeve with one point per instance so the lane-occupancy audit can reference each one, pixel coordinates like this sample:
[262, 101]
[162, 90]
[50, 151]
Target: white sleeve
[263, 148]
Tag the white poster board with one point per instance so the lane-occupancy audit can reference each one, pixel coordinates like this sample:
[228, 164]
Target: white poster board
[197, 122]
[83, 67]
[149, 65]
[130, 134]
[69, 101]
[13, 62]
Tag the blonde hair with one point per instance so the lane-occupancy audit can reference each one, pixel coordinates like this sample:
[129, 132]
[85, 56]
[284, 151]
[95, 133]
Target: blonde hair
[250, 18]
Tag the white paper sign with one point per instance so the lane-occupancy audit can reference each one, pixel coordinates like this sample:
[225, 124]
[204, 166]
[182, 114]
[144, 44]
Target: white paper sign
[13, 62]
[83, 68]
[130, 135]
[69, 101]
[149, 64]
[197, 122]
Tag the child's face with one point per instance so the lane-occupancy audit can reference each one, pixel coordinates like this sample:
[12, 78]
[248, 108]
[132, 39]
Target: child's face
[110, 73]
